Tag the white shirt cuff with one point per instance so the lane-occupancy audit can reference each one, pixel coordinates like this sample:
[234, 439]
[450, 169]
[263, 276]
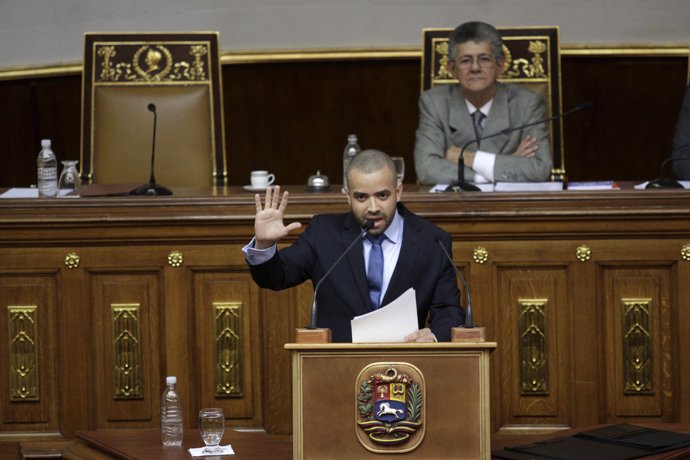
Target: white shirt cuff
[258, 256]
[483, 166]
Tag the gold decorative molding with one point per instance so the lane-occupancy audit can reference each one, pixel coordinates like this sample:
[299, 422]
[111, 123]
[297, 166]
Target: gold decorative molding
[534, 364]
[23, 353]
[637, 347]
[72, 260]
[480, 255]
[127, 354]
[411, 52]
[685, 252]
[228, 349]
[583, 253]
[132, 62]
[175, 258]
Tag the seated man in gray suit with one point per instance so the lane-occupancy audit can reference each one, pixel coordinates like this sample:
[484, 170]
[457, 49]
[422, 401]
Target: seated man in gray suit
[450, 116]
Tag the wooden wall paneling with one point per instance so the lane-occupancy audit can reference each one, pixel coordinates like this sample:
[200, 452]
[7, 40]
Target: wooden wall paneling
[28, 341]
[228, 344]
[278, 324]
[535, 345]
[585, 333]
[678, 329]
[638, 347]
[127, 351]
[629, 129]
[293, 118]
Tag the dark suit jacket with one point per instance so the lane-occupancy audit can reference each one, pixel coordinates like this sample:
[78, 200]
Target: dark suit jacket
[444, 121]
[344, 294]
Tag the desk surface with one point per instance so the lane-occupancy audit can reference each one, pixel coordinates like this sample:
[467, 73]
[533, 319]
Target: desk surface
[146, 444]
[500, 441]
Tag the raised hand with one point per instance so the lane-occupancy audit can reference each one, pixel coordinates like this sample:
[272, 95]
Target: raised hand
[268, 223]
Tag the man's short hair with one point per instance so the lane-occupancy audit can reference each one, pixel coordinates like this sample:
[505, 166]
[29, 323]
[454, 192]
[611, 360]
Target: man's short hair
[475, 31]
[369, 161]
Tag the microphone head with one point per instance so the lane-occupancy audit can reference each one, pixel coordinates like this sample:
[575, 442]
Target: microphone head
[584, 106]
[368, 225]
[151, 107]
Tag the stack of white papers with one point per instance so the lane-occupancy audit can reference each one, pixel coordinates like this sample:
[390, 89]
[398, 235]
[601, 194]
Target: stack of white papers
[388, 324]
[594, 185]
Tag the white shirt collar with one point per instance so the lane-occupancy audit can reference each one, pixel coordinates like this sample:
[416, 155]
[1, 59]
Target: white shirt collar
[485, 109]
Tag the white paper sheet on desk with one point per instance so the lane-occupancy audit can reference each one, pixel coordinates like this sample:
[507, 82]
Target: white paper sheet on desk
[20, 193]
[528, 186]
[388, 324]
[488, 187]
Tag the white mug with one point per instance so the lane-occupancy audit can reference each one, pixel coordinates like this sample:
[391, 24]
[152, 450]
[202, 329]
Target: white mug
[262, 179]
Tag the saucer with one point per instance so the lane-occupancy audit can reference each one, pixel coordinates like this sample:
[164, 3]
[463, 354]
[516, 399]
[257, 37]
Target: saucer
[249, 188]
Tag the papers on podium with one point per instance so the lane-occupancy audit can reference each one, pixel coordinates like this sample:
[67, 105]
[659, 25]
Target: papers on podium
[388, 324]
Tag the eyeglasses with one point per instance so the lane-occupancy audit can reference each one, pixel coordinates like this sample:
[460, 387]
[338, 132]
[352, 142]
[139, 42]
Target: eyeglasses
[484, 61]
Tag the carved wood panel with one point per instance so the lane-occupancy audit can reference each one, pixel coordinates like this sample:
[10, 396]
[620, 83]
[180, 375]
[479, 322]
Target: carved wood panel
[127, 355]
[638, 347]
[28, 394]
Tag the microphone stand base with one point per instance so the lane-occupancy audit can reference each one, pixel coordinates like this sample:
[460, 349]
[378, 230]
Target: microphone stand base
[151, 190]
[664, 182]
[472, 334]
[318, 335]
[462, 187]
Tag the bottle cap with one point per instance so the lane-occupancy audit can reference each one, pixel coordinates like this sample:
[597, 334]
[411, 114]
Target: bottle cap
[171, 380]
[45, 143]
[352, 138]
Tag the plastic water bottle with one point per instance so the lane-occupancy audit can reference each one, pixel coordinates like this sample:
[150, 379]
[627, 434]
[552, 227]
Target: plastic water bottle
[172, 428]
[351, 149]
[47, 171]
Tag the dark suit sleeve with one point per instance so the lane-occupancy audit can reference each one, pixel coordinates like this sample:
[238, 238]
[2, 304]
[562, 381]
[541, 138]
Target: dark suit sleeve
[445, 311]
[288, 267]
[681, 140]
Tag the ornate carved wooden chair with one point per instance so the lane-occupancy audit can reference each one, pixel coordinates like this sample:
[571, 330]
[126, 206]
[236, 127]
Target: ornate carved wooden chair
[179, 73]
[532, 59]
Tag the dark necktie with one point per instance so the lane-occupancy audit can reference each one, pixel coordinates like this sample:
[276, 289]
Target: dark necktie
[375, 269]
[477, 119]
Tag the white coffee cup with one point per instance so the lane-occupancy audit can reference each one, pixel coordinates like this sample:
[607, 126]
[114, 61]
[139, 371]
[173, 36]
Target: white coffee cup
[262, 179]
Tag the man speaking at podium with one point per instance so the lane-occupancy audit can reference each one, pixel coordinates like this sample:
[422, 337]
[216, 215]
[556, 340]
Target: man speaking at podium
[409, 253]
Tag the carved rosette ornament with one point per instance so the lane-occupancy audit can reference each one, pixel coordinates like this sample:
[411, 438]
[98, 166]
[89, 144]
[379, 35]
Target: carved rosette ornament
[685, 252]
[72, 260]
[583, 253]
[480, 255]
[175, 258]
[390, 407]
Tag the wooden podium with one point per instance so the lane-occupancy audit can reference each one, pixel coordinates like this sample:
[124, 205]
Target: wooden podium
[365, 400]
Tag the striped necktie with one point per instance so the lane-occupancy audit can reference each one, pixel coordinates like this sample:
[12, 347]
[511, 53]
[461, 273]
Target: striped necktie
[375, 269]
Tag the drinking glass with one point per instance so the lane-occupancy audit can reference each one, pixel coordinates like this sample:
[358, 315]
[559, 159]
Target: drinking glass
[212, 426]
[399, 168]
[69, 178]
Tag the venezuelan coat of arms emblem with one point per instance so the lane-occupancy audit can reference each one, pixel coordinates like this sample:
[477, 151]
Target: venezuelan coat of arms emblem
[390, 407]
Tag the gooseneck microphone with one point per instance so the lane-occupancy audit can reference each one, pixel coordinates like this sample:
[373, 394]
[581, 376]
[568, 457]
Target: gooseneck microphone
[664, 181]
[468, 297]
[462, 185]
[152, 188]
[368, 225]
